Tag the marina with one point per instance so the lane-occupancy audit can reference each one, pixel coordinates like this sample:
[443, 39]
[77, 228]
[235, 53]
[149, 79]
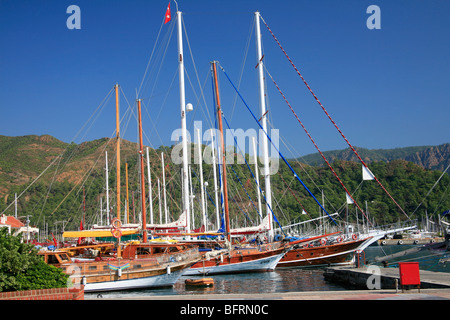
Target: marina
[261, 238]
[298, 283]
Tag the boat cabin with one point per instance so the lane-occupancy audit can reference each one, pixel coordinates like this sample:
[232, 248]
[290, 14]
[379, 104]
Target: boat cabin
[55, 258]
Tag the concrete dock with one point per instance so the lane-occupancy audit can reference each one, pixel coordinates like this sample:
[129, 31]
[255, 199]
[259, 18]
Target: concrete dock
[370, 277]
[383, 294]
[390, 242]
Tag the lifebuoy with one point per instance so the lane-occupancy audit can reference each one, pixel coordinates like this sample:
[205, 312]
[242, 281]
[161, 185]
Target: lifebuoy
[416, 241]
[383, 242]
[339, 239]
[116, 233]
[323, 241]
[116, 223]
[400, 242]
[354, 236]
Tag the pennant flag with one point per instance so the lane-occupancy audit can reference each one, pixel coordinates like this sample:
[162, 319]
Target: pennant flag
[303, 212]
[349, 199]
[367, 174]
[167, 14]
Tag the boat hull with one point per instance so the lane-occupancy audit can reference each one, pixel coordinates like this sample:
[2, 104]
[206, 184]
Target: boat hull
[320, 256]
[153, 265]
[238, 262]
[158, 281]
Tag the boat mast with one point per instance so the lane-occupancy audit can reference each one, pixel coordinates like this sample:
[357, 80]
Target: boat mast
[183, 124]
[159, 201]
[200, 159]
[255, 157]
[107, 188]
[116, 88]
[150, 198]
[216, 196]
[141, 156]
[127, 204]
[164, 187]
[224, 170]
[262, 104]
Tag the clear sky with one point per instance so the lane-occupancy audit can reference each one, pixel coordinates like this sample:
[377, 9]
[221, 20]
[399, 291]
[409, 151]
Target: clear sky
[385, 88]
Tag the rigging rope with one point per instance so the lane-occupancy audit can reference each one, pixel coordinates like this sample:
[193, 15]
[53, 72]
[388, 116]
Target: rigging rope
[281, 155]
[332, 121]
[432, 188]
[312, 140]
[248, 166]
[292, 192]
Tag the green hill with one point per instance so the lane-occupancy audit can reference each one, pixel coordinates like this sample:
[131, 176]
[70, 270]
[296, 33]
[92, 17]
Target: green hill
[58, 195]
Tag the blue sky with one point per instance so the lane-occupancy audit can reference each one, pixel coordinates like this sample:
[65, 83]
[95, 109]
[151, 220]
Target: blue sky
[385, 88]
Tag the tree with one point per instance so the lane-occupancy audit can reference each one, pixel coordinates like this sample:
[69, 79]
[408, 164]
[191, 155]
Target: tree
[22, 269]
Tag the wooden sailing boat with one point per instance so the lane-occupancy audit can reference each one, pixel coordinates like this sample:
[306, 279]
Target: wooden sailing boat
[143, 264]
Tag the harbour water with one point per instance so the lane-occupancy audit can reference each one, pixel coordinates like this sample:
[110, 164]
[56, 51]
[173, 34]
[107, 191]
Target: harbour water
[280, 280]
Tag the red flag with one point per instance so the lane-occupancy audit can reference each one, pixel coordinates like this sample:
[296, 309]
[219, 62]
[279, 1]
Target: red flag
[167, 14]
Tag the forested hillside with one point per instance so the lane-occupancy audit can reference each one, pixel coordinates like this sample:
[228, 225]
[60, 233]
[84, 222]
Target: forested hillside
[57, 195]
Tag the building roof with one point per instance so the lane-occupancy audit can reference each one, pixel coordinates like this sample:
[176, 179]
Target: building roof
[12, 221]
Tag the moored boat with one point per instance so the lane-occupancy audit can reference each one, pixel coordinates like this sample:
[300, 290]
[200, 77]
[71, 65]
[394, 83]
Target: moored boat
[320, 253]
[142, 265]
[202, 282]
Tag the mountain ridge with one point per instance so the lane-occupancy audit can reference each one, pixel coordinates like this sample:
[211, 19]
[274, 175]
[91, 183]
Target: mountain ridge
[428, 157]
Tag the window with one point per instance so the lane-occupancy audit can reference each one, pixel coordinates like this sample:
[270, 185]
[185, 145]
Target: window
[51, 259]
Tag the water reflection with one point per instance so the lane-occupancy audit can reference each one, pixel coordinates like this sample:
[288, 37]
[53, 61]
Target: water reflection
[280, 280]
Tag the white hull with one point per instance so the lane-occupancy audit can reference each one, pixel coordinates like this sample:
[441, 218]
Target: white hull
[259, 265]
[164, 280]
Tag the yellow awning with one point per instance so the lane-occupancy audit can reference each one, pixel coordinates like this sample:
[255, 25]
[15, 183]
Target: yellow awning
[95, 233]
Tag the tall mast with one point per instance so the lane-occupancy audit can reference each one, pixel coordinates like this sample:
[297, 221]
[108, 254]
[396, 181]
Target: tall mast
[183, 124]
[150, 198]
[164, 187]
[141, 156]
[262, 105]
[191, 197]
[255, 157]
[127, 205]
[224, 170]
[107, 188]
[159, 201]
[116, 88]
[200, 158]
[216, 190]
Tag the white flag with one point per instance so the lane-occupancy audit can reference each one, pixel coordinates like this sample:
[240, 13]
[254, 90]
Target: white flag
[367, 174]
[349, 199]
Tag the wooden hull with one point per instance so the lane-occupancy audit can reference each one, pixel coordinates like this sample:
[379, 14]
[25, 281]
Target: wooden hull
[238, 261]
[322, 255]
[122, 274]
